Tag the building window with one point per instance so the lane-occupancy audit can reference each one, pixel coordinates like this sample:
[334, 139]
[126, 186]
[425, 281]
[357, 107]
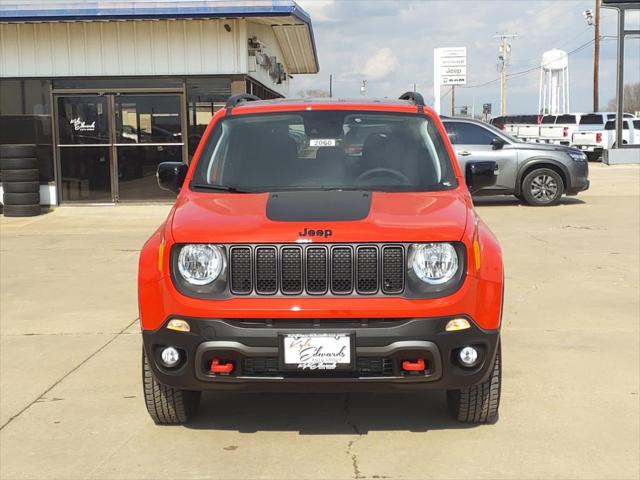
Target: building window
[205, 96]
[260, 90]
[25, 118]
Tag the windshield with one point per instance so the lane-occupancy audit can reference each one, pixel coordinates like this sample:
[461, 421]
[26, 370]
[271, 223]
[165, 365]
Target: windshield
[566, 120]
[325, 150]
[592, 119]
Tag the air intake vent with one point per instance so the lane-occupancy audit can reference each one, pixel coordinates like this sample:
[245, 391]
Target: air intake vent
[317, 270]
[392, 269]
[266, 270]
[341, 270]
[240, 270]
[367, 265]
[291, 270]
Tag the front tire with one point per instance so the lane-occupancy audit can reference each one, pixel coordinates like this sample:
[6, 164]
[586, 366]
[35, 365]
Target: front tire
[542, 187]
[479, 403]
[167, 405]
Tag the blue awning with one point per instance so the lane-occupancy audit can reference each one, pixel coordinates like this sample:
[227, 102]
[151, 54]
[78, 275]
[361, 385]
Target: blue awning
[74, 10]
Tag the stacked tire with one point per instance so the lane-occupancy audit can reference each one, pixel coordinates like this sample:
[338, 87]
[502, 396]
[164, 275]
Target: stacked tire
[20, 180]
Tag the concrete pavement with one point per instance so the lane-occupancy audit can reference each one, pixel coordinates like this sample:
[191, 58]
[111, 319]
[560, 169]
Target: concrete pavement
[70, 391]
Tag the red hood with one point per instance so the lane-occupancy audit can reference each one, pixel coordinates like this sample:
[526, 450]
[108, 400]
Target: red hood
[393, 217]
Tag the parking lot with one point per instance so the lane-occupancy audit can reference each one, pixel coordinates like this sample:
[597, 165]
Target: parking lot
[71, 399]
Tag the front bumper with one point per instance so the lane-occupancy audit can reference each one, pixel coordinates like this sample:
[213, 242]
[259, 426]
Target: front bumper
[578, 180]
[381, 345]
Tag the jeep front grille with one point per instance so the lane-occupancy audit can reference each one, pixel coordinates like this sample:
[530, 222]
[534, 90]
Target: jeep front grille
[316, 269]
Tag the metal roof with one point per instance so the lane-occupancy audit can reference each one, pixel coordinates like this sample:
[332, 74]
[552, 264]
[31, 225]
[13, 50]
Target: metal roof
[291, 24]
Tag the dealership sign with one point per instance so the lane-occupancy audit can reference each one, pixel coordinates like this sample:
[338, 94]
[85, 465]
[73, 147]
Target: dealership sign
[450, 65]
[449, 68]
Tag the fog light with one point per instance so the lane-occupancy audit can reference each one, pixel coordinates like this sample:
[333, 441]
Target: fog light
[178, 326]
[457, 324]
[468, 356]
[170, 356]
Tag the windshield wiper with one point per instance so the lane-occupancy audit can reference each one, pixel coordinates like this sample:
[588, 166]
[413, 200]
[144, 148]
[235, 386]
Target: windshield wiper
[221, 188]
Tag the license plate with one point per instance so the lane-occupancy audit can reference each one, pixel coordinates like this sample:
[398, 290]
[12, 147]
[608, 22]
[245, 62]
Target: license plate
[317, 351]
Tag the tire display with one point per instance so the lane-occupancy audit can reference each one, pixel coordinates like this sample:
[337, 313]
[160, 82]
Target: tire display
[21, 187]
[21, 210]
[20, 180]
[31, 175]
[18, 163]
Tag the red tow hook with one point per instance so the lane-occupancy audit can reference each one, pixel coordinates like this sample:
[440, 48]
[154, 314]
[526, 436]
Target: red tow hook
[414, 366]
[218, 367]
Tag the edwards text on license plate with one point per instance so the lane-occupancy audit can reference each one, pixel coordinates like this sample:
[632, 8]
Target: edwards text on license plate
[317, 351]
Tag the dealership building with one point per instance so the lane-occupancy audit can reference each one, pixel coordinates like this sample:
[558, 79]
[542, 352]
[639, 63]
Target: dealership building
[109, 89]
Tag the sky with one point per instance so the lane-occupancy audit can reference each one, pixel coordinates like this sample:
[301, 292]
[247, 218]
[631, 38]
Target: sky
[390, 44]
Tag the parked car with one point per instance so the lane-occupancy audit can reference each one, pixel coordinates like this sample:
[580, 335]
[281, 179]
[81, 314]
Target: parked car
[538, 174]
[561, 132]
[335, 271]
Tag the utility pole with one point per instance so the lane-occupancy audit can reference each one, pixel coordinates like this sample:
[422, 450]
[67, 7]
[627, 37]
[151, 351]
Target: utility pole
[363, 88]
[504, 55]
[330, 86]
[596, 60]
[453, 100]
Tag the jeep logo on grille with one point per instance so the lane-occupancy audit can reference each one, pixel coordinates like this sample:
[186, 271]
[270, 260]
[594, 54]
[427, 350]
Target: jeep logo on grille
[309, 232]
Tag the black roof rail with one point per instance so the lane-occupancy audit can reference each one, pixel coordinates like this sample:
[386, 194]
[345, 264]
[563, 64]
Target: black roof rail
[415, 97]
[234, 100]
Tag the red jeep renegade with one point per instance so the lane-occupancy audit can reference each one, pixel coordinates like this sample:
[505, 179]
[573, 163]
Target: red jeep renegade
[322, 244]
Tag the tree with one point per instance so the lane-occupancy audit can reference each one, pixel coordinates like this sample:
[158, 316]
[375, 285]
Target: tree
[631, 96]
[313, 93]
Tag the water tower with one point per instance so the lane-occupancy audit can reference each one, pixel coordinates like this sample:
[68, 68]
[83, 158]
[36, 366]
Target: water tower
[554, 83]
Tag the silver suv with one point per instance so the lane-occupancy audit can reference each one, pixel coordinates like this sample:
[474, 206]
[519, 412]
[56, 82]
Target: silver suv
[537, 174]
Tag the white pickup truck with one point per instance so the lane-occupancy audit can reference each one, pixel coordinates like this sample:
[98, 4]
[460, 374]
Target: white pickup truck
[529, 128]
[630, 132]
[591, 136]
[511, 125]
[594, 142]
[561, 132]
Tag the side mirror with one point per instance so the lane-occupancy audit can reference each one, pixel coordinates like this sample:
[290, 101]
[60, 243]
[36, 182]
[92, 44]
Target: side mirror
[171, 175]
[481, 175]
[497, 144]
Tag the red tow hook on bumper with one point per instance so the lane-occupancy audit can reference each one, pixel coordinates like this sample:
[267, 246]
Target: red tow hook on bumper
[414, 366]
[219, 367]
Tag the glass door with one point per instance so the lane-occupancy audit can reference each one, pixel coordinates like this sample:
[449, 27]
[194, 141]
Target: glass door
[148, 131]
[84, 149]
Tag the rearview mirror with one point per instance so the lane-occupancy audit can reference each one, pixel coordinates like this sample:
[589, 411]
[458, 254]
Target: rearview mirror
[497, 143]
[481, 174]
[171, 175]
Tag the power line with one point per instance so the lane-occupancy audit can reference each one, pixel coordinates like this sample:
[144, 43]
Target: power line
[529, 70]
[567, 42]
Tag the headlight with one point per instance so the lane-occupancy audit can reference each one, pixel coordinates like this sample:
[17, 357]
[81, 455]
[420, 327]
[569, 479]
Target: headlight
[577, 156]
[200, 264]
[434, 263]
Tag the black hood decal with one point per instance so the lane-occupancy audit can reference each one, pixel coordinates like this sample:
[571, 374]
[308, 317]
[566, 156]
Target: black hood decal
[318, 206]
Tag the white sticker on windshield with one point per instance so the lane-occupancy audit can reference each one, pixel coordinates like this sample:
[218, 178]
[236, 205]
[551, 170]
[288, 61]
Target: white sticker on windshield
[322, 142]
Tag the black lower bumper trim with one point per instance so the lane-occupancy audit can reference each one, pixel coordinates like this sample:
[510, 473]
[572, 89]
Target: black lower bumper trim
[380, 348]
